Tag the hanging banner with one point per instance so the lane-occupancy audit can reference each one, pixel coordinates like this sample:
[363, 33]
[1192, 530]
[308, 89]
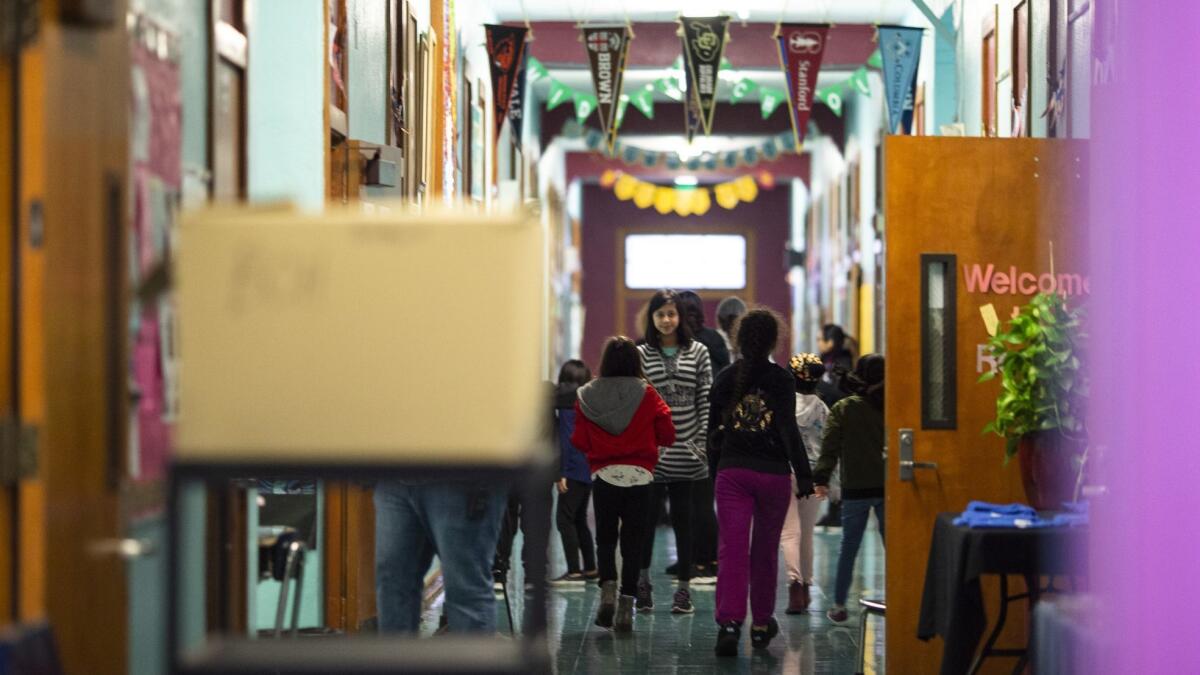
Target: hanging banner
[691, 107]
[606, 50]
[704, 41]
[801, 46]
[516, 104]
[900, 47]
[505, 48]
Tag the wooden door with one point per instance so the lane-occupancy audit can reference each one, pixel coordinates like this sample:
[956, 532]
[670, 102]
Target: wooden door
[9, 217]
[958, 240]
[65, 370]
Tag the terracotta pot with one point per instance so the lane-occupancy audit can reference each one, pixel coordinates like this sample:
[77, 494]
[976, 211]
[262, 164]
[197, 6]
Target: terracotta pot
[1047, 468]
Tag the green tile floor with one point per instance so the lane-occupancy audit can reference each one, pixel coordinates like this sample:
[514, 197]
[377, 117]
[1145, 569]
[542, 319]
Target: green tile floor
[663, 643]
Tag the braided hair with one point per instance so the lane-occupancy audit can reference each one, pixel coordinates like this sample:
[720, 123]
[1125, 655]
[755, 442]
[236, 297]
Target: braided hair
[755, 335]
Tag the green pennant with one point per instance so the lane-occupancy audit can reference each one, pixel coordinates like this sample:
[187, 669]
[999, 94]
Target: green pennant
[559, 94]
[643, 100]
[860, 82]
[771, 98]
[536, 69]
[832, 97]
[622, 104]
[876, 60]
[670, 87]
[584, 105]
[743, 88]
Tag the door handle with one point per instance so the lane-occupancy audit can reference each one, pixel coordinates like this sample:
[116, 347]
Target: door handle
[126, 549]
[907, 464]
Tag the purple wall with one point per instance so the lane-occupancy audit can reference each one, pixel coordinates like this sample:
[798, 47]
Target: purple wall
[603, 214]
[1146, 374]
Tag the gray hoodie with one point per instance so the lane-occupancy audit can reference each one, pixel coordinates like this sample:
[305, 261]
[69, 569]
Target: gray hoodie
[610, 402]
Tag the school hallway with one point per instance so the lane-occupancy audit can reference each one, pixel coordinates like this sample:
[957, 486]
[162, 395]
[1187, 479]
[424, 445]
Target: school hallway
[662, 643]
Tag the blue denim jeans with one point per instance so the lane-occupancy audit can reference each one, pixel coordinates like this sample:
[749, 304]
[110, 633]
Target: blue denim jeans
[457, 521]
[855, 513]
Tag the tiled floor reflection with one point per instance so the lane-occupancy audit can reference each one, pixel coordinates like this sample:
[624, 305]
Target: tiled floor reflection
[663, 643]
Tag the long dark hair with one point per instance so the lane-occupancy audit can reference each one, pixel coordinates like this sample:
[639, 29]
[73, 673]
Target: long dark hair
[620, 358]
[692, 310]
[834, 334]
[756, 334]
[683, 332]
[867, 379]
[574, 372]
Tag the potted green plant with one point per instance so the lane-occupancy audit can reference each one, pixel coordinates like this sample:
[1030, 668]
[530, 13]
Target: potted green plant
[1041, 407]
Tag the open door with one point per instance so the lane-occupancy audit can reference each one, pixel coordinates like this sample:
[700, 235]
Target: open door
[970, 222]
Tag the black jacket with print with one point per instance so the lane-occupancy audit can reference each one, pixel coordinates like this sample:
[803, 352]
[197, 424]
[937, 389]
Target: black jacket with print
[759, 432]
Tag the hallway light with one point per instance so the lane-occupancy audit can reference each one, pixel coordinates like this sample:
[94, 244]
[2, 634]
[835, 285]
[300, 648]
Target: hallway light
[687, 181]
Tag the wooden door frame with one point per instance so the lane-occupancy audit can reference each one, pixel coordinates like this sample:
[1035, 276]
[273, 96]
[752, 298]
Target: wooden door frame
[988, 78]
[623, 294]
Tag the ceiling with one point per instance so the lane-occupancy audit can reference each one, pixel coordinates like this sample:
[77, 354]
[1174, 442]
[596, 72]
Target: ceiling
[824, 11]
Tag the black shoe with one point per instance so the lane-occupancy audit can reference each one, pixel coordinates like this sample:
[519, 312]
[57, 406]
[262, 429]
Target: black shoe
[682, 602]
[645, 596]
[761, 637]
[672, 569]
[728, 637]
[569, 579]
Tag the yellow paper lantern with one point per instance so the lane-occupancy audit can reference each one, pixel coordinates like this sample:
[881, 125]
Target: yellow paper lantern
[608, 178]
[726, 195]
[664, 200]
[683, 202]
[625, 187]
[701, 201]
[643, 196]
[746, 188]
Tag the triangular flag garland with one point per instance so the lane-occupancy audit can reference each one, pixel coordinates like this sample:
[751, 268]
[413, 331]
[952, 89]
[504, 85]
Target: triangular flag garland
[607, 47]
[741, 88]
[505, 47]
[750, 155]
[900, 49]
[704, 41]
[686, 201]
[800, 49]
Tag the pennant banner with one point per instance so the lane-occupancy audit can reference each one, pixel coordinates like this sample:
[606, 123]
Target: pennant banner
[900, 48]
[691, 108]
[606, 49]
[686, 201]
[704, 41]
[505, 47]
[801, 46]
[767, 150]
[516, 103]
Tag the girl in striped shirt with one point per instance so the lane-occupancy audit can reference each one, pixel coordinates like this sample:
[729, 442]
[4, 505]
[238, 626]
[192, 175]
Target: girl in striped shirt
[680, 369]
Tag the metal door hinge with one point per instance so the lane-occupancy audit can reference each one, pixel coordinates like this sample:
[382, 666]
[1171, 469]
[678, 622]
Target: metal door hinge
[18, 452]
[19, 24]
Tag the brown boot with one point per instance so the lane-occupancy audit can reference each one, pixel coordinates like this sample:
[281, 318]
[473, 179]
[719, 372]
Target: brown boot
[797, 598]
[807, 596]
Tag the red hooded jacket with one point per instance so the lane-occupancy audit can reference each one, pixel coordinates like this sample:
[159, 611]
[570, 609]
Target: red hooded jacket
[637, 444]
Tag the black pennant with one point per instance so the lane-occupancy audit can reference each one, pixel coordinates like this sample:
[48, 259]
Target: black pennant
[506, 49]
[606, 48]
[516, 104]
[704, 41]
[691, 106]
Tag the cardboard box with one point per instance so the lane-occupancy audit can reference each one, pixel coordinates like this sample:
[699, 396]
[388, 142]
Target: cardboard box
[360, 338]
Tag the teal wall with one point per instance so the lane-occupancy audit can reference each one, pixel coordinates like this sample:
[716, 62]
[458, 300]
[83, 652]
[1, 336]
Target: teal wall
[286, 137]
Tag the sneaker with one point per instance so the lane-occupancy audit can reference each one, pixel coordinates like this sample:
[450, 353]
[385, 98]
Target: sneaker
[645, 596]
[568, 579]
[796, 603]
[704, 576]
[682, 603]
[624, 619]
[608, 604]
[591, 575]
[672, 569]
[728, 637]
[761, 637]
[838, 615]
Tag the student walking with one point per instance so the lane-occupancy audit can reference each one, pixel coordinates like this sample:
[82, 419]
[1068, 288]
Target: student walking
[758, 457]
[680, 370]
[796, 541]
[854, 439]
[621, 422]
[575, 485]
